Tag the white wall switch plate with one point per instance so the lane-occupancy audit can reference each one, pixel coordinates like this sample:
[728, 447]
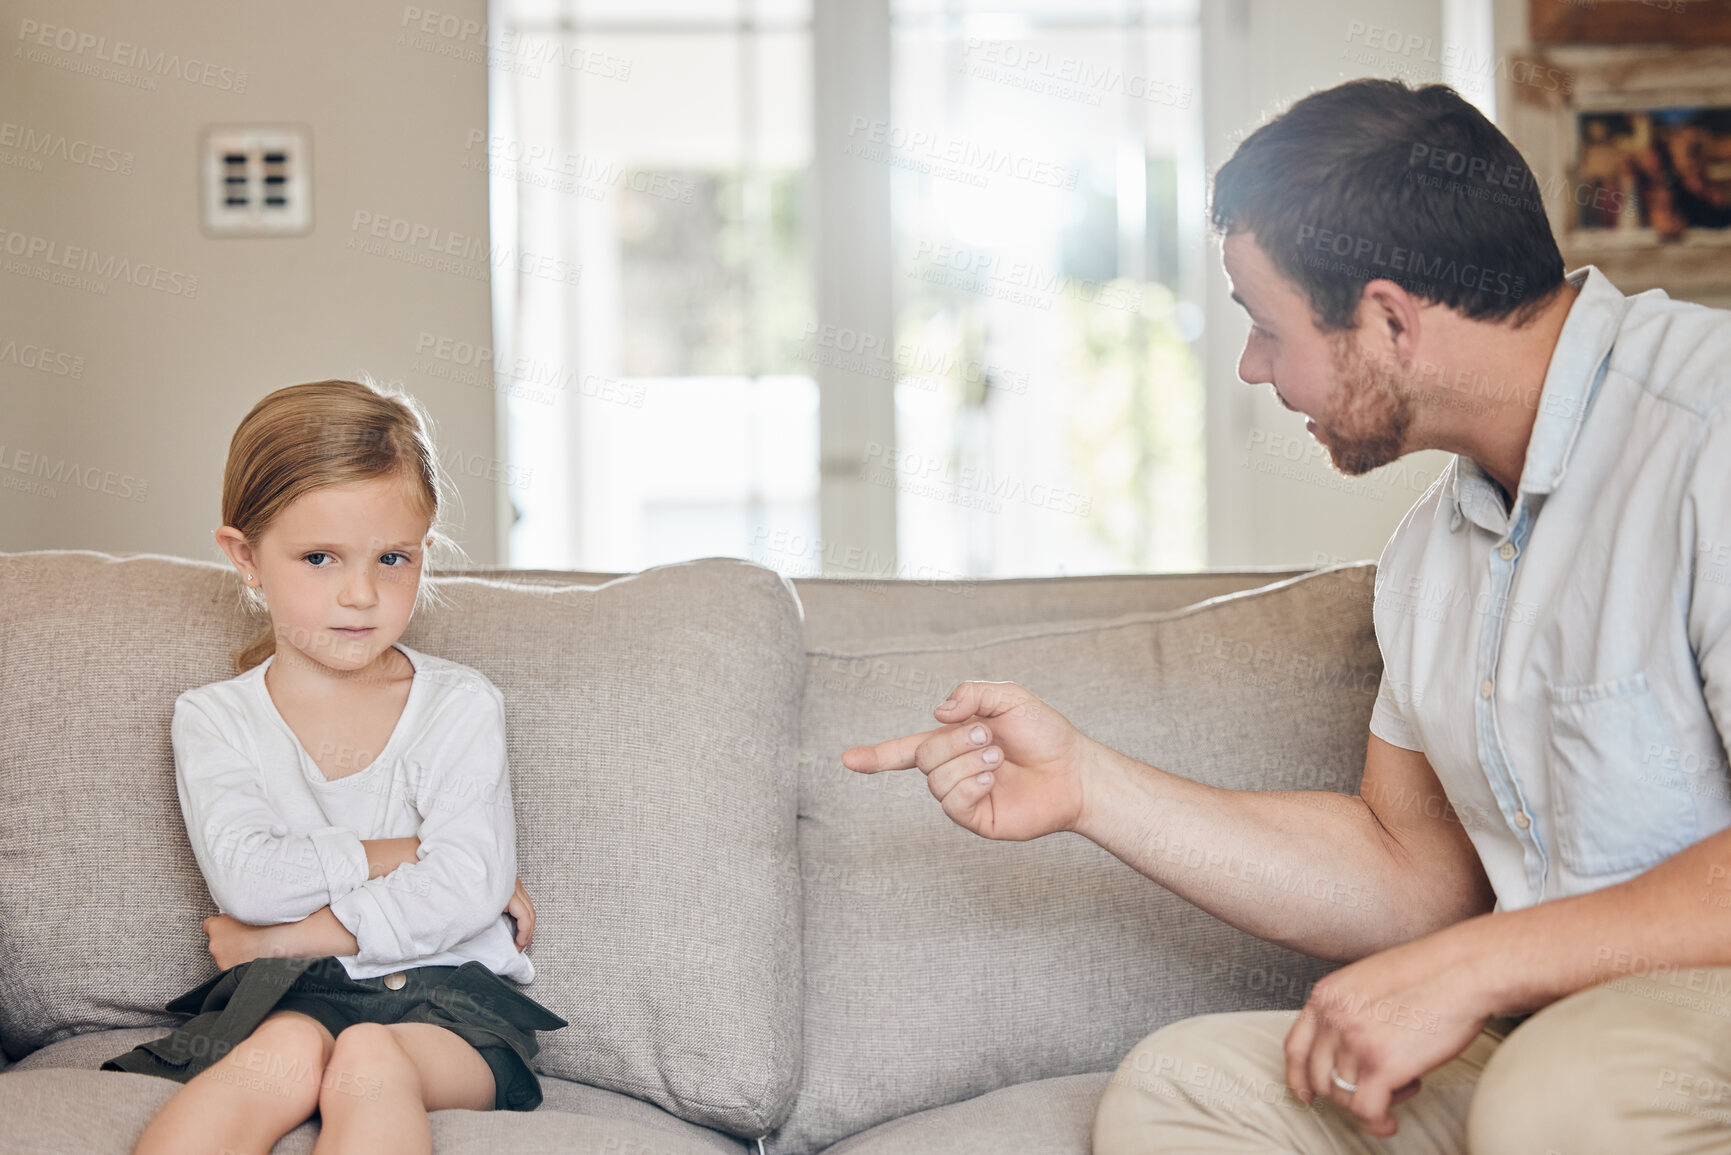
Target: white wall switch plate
[257, 180]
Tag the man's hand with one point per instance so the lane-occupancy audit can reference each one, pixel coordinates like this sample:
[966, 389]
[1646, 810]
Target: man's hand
[1381, 1023]
[1005, 766]
[521, 909]
[233, 942]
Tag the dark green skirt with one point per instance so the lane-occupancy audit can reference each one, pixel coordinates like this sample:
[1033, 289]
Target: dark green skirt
[486, 1011]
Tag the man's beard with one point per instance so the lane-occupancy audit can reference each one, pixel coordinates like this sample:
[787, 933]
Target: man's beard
[1369, 429]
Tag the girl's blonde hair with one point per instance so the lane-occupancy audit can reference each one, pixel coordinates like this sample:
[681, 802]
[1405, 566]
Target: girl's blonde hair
[308, 437]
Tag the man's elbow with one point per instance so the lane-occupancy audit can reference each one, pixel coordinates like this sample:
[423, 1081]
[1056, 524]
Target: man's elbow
[1450, 897]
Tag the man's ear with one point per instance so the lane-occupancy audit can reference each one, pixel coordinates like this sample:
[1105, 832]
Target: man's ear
[1391, 316]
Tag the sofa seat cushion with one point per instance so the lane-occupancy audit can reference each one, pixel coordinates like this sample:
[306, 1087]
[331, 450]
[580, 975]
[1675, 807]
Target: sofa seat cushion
[579, 1099]
[940, 965]
[88, 1051]
[651, 727]
[65, 1109]
[1051, 1116]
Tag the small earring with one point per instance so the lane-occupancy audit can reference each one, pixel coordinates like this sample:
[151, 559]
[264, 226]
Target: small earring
[249, 577]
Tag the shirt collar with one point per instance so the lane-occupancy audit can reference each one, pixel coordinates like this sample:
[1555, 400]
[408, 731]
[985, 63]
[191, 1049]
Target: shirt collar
[1570, 383]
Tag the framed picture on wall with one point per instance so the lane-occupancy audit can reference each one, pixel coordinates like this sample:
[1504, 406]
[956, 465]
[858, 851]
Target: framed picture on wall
[1632, 157]
[1629, 21]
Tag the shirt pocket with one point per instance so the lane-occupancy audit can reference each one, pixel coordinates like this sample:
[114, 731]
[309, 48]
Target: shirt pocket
[1610, 816]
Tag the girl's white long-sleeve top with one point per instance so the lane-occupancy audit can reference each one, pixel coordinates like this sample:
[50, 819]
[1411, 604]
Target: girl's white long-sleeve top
[276, 840]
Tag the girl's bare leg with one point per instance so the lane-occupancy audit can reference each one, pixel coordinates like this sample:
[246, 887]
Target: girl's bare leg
[247, 1100]
[382, 1079]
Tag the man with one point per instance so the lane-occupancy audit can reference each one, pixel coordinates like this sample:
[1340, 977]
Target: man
[1554, 616]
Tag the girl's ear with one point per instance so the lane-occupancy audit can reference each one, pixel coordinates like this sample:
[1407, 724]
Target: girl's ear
[239, 551]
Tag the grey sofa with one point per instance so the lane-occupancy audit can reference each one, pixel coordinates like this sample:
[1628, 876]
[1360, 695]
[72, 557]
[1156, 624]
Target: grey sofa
[754, 946]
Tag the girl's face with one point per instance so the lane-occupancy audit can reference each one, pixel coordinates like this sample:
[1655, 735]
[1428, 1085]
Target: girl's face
[339, 569]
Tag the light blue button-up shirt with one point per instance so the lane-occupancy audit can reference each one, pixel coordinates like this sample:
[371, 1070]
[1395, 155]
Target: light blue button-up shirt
[1565, 662]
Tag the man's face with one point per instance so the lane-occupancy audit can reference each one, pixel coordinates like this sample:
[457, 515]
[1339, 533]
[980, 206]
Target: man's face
[1357, 406]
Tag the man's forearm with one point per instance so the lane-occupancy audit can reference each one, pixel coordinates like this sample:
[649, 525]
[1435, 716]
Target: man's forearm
[1657, 924]
[1310, 870]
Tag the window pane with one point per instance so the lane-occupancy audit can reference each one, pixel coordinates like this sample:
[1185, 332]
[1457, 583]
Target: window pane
[1047, 210]
[1047, 207]
[1005, 12]
[685, 427]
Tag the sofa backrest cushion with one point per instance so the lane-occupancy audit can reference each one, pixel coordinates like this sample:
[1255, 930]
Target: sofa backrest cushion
[651, 725]
[940, 965]
[847, 614]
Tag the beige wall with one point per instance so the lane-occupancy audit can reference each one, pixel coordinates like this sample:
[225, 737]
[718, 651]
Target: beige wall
[165, 376]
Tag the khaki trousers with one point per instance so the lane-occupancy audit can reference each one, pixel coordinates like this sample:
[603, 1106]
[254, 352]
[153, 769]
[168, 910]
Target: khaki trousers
[1639, 1065]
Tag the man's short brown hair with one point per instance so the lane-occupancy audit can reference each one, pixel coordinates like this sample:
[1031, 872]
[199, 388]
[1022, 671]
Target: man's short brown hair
[1373, 179]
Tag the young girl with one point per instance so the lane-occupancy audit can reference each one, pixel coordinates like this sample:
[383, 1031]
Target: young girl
[348, 802]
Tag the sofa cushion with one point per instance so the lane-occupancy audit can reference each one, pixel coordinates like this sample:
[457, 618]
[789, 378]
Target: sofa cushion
[89, 1050]
[940, 965]
[858, 613]
[1052, 1116]
[579, 1099]
[64, 1110]
[651, 725]
[851, 612]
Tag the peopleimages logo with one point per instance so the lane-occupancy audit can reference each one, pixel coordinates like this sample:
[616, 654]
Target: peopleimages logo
[546, 166]
[29, 463]
[440, 249]
[870, 138]
[1495, 178]
[58, 146]
[1452, 63]
[124, 54]
[85, 260]
[1070, 77]
[43, 360]
[505, 49]
[1359, 254]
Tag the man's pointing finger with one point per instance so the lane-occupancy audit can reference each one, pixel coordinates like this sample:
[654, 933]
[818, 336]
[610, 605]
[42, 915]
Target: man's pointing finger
[896, 754]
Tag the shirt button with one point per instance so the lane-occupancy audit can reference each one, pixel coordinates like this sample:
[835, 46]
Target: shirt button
[1507, 552]
[397, 981]
[1485, 688]
[1522, 820]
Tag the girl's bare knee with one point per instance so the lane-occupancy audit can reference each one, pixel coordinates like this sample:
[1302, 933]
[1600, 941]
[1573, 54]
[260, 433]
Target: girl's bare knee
[369, 1043]
[281, 1062]
[366, 1061]
[292, 1029]
[249, 1098]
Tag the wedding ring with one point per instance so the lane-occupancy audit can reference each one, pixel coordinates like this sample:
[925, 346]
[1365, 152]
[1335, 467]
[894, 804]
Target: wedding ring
[1349, 1088]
